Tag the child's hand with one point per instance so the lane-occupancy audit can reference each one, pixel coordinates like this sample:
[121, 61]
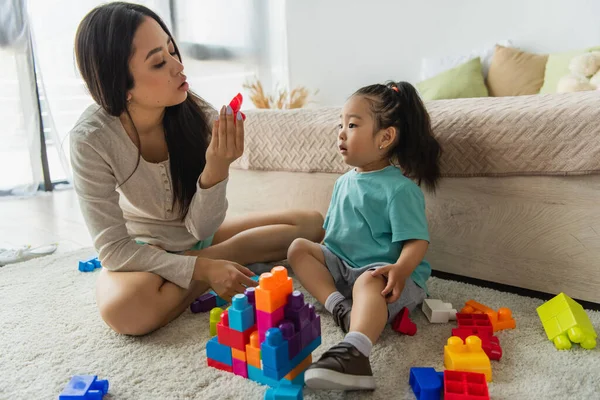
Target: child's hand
[396, 278]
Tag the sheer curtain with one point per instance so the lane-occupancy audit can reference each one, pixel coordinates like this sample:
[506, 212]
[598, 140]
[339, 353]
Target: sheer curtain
[224, 44]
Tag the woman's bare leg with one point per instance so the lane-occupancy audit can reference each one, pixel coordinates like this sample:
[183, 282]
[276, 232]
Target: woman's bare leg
[136, 303]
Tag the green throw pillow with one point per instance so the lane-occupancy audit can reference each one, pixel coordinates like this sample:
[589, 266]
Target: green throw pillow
[465, 80]
[558, 66]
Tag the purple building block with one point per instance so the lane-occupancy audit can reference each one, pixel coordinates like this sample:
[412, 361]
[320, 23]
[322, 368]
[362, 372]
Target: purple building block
[251, 295]
[266, 321]
[296, 310]
[294, 340]
[306, 334]
[204, 303]
[84, 387]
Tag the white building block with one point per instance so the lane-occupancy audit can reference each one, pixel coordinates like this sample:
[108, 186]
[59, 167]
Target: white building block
[437, 311]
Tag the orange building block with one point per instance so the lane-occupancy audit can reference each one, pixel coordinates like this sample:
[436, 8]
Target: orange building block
[502, 319]
[299, 368]
[273, 290]
[467, 356]
[253, 351]
[240, 355]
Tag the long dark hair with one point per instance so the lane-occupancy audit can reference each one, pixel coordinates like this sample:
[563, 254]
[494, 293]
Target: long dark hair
[103, 48]
[416, 151]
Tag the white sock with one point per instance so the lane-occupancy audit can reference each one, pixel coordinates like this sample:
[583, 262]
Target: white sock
[360, 341]
[333, 300]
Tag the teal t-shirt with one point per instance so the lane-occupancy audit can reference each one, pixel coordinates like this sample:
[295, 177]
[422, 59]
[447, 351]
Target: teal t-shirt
[372, 214]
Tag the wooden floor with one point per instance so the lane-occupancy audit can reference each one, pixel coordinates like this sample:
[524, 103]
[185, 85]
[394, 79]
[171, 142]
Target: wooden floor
[43, 219]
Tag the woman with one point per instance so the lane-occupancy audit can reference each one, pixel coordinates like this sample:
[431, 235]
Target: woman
[151, 178]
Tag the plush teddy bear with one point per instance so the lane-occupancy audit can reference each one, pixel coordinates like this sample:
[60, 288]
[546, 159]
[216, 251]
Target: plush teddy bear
[584, 74]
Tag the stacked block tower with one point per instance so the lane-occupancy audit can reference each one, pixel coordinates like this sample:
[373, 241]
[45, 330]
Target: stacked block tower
[268, 333]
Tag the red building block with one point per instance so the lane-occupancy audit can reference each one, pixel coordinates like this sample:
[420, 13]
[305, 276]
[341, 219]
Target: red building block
[465, 386]
[479, 322]
[229, 337]
[403, 324]
[218, 365]
[489, 343]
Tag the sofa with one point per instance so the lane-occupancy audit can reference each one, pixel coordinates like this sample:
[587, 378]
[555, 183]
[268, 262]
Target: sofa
[518, 204]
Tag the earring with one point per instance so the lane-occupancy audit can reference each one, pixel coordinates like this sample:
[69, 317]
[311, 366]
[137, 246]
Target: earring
[380, 147]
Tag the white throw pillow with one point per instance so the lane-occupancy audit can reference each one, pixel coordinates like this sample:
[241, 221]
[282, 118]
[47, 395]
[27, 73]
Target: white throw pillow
[430, 67]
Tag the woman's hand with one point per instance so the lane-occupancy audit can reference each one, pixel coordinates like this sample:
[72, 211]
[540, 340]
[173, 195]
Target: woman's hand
[226, 146]
[226, 278]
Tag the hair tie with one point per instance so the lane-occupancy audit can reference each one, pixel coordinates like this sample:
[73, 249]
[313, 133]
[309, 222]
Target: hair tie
[395, 88]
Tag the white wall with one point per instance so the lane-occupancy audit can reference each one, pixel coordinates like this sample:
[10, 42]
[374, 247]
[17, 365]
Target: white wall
[337, 46]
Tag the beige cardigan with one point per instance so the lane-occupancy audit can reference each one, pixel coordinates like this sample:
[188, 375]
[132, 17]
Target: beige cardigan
[103, 156]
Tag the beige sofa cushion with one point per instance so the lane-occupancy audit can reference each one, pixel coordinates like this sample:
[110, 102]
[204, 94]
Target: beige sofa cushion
[515, 73]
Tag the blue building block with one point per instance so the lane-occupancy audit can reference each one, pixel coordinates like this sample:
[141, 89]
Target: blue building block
[220, 301]
[258, 376]
[241, 313]
[84, 387]
[275, 356]
[277, 373]
[426, 383]
[89, 265]
[218, 351]
[284, 392]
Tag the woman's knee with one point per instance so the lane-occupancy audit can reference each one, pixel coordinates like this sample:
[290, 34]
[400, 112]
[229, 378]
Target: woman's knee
[123, 300]
[311, 225]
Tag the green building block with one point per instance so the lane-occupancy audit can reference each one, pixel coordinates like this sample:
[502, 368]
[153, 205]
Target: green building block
[566, 321]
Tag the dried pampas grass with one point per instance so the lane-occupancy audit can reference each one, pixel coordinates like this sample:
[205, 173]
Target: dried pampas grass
[283, 99]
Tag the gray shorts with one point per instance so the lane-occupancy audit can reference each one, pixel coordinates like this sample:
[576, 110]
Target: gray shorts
[344, 277]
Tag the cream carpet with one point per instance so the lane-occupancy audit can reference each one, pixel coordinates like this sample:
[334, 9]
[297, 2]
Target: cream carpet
[50, 330]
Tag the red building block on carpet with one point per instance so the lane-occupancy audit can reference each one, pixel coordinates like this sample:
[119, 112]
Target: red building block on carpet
[403, 324]
[218, 365]
[479, 323]
[465, 386]
[232, 338]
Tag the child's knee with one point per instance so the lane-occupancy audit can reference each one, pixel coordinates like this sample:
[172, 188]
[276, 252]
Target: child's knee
[366, 280]
[298, 248]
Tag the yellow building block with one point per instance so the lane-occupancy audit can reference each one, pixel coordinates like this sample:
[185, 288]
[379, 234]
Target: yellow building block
[467, 356]
[565, 322]
[214, 319]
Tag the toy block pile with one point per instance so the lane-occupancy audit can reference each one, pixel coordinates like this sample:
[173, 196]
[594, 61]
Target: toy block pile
[565, 322]
[267, 335]
[467, 353]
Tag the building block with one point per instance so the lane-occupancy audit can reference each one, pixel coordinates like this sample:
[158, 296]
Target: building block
[297, 311]
[465, 386]
[204, 303]
[403, 324]
[275, 354]
[489, 343]
[218, 365]
[284, 392]
[273, 290]
[501, 319]
[267, 320]
[230, 337]
[253, 351]
[84, 387]
[89, 265]
[308, 333]
[480, 324]
[241, 313]
[300, 368]
[467, 356]
[240, 368]
[215, 317]
[293, 337]
[239, 355]
[220, 301]
[565, 322]
[426, 383]
[218, 352]
[250, 293]
[236, 104]
[256, 375]
[437, 311]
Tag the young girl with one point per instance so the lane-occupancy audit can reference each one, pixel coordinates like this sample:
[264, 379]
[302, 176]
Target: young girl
[371, 263]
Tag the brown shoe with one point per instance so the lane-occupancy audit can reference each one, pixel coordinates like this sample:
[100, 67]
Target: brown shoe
[342, 367]
[341, 314]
